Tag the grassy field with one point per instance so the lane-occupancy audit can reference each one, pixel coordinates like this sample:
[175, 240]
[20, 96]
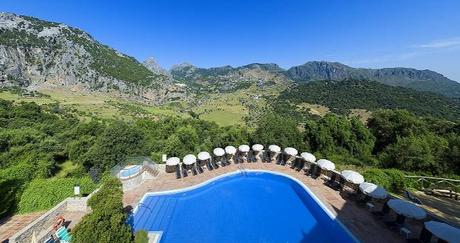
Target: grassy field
[101, 105]
[236, 108]
[241, 107]
[313, 109]
[65, 169]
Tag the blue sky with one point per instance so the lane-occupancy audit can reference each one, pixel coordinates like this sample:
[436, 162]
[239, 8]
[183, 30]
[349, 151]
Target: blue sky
[423, 34]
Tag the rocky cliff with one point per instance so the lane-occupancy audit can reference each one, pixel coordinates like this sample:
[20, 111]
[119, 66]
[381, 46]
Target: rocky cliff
[36, 53]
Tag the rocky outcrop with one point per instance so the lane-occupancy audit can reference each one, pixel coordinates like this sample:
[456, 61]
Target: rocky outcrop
[151, 64]
[36, 53]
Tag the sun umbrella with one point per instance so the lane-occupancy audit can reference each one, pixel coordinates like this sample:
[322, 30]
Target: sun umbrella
[443, 231]
[373, 190]
[308, 157]
[204, 156]
[326, 164]
[290, 151]
[189, 159]
[274, 148]
[408, 209]
[173, 161]
[230, 150]
[244, 148]
[257, 147]
[219, 152]
[352, 176]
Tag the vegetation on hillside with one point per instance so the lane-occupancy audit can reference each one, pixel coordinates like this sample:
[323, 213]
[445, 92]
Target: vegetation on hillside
[37, 142]
[112, 63]
[342, 96]
[104, 59]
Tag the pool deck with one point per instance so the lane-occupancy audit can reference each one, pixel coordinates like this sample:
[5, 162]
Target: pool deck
[356, 218]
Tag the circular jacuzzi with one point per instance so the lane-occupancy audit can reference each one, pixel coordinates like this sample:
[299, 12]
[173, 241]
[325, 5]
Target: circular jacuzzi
[129, 171]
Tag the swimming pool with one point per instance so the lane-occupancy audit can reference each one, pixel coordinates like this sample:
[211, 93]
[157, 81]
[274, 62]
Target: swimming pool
[248, 206]
[129, 171]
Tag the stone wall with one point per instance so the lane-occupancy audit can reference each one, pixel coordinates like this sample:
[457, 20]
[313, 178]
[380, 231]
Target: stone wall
[43, 225]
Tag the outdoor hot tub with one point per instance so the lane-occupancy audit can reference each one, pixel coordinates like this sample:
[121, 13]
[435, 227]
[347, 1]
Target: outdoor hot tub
[129, 171]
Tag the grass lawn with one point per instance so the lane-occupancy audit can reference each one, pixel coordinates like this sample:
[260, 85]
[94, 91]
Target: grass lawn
[65, 169]
[224, 118]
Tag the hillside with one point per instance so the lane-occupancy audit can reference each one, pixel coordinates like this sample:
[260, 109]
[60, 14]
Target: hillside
[51, 57]
[343, 96]
[422, 80]
[228, 78]
[36, 53]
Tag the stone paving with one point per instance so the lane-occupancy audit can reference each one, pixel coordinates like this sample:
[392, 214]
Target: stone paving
[357, 219]
[11, 225]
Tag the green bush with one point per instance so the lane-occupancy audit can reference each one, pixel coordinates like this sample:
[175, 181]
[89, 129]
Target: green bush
[43, 194]
[107, 222]
[141, 236]
[392, 180]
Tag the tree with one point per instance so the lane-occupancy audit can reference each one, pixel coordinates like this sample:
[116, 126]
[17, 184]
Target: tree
[107, 222]
[118, 141]
[334, 135]
[388, 125]
[279, 130]
[417, 153]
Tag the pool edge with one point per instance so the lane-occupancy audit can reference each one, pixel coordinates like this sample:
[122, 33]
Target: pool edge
[305, 187]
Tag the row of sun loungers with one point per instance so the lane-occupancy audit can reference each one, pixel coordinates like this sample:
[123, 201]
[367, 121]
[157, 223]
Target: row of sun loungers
[307, 163]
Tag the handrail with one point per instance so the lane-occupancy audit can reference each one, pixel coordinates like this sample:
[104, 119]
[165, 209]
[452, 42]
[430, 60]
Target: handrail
[434, 178]
[436, 185]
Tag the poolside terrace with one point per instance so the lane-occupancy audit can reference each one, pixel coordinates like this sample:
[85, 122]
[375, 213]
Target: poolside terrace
[365, 226]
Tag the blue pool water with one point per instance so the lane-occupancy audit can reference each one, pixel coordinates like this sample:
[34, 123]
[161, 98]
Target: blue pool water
[130, 171]
[240, 207]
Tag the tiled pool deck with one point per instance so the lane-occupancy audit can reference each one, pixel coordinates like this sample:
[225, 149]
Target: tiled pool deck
[356, 218]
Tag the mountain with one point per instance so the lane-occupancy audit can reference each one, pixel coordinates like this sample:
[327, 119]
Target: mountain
[422, 80]
[228, 78]
[151, 64]
[36, 53]
[343, 96]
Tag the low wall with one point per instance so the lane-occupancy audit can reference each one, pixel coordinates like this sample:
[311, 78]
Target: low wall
[132, 182]
[43, 225]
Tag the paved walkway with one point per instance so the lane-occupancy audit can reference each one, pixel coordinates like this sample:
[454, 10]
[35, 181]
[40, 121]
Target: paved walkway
[13, 224]
[357, 219]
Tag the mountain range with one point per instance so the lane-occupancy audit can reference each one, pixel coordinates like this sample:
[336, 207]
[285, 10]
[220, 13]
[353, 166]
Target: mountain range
[421, 80]
[35, 53]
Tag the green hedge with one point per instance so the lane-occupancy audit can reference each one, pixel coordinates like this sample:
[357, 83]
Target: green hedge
[141, 236]
[107, 222]
[43, 194]
[392, 180]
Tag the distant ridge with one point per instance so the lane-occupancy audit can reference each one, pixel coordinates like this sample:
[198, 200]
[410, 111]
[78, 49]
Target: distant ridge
[422, 80]
[343, 96]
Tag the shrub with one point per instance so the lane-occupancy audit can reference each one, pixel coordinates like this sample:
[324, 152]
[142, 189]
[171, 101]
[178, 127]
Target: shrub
[392, 180]
[42, 194]
[107, 221]
[141, 237]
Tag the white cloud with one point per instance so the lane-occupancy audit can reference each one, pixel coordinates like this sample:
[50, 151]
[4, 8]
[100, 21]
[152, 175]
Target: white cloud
[446, 43]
